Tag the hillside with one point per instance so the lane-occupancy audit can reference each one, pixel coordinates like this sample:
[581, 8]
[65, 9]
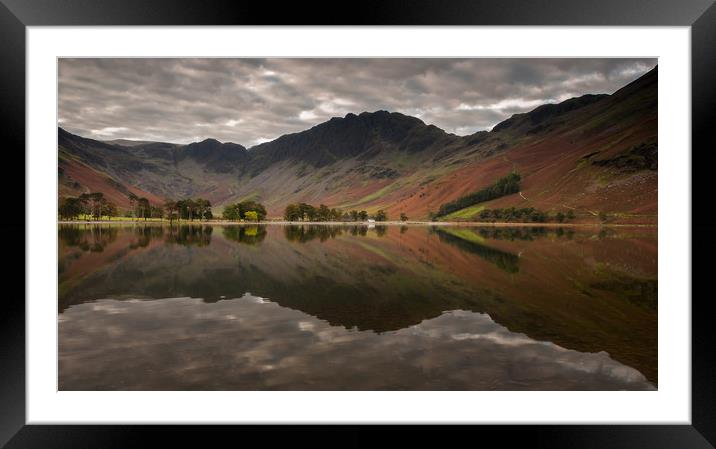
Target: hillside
[591, 154]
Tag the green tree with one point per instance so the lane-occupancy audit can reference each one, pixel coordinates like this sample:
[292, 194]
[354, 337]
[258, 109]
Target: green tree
[504, 186]
[156, 212]
[231, 212]
[403, 217]
[538, 217]
[181, 209]
[94, 202]
[170, 207]
[237, 211]
[132, 202]
[363, 215]
[570, 214]
[143, 208]
[335, 214]
[248, 205]
[381, 215]
[190, 205]
[251, 215]
[110, 209]
[354, 215]
[291, 213]
[308, 212]
[70, 208]
[203, 208]
[324, 213]
[560, 217]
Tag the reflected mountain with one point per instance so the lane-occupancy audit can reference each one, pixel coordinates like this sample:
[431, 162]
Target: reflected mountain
[250, 343]
[572, 289]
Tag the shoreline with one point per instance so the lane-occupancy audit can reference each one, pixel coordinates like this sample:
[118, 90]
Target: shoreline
[365, 223]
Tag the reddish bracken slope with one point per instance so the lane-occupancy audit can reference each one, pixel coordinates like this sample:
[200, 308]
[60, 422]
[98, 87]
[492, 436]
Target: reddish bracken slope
[77, 178]
[593, 154]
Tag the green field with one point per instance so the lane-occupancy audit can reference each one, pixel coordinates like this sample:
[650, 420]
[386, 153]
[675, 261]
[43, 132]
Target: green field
[466, 213]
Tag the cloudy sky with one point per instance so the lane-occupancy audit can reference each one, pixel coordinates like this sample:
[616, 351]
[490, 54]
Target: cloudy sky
[249, 101]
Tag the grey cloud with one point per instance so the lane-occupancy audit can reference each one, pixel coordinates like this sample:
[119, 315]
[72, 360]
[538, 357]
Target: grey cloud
[251, 100]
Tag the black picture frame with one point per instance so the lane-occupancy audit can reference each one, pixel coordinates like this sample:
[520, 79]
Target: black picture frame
[16, 15]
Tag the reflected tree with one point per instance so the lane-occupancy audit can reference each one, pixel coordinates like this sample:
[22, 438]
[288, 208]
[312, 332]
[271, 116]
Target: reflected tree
[189, 235]
[306, 233]
[90, 238]
[249, 235]
[145, 234]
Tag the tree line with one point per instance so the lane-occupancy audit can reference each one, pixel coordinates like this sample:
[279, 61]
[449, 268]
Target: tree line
[188, 209]
[140, 207]
[504, 186]
[306, 232]
[94, 205]
[244, 210]
[307, 212]
[523, 215]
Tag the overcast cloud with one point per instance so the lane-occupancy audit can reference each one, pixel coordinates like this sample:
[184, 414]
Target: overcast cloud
[249, 101]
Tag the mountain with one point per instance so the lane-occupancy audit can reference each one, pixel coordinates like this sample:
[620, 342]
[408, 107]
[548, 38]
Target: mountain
[214, 155]
[594, 153]
[362, 136]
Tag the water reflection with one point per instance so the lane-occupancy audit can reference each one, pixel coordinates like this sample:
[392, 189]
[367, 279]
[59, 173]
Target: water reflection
[306, 233]
[466, 240]
[145, 234]
[249, 235]
[251, 343]
[189, 235]
[592, 297]
[87, 238]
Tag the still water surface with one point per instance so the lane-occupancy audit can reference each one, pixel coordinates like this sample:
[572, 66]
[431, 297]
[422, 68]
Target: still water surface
[278, 307]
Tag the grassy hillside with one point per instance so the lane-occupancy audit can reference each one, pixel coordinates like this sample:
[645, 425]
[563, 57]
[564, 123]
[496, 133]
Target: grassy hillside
[593, 154]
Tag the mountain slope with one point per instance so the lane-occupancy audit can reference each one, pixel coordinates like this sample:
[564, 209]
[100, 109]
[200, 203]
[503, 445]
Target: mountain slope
[361, 136]
[595, 153]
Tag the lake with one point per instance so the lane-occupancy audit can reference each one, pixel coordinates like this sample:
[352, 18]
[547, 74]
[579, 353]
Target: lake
[334, 307]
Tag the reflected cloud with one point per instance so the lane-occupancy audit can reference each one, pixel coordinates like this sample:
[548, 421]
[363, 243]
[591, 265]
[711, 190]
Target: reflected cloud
[184, 343]
[583, 293]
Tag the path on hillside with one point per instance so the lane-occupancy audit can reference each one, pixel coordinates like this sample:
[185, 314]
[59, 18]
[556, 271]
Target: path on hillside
[559, 204]
[514, 168]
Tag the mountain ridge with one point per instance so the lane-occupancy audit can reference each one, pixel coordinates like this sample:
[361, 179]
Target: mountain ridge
[394, 161]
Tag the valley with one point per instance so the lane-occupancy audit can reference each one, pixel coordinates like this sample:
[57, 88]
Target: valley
[594, 155]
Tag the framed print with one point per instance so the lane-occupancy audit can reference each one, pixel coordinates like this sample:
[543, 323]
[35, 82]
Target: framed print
[388, 220]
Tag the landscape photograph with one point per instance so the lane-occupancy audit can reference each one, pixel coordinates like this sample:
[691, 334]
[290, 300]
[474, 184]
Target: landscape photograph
[357, 224]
